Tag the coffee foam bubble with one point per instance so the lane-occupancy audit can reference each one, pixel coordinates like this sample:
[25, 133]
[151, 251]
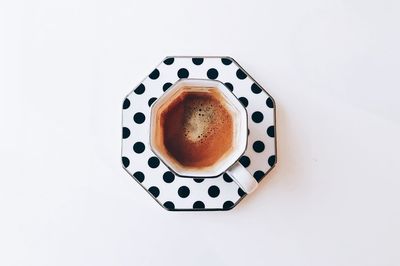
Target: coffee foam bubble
[202, 120]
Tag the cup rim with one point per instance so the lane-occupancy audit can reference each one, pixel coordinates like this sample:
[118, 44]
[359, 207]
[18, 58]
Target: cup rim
[193, 173]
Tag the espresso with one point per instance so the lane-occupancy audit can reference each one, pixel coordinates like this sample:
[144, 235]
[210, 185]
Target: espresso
[197, 128]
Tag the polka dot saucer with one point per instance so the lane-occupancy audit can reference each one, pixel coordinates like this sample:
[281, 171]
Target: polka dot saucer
[176, 193]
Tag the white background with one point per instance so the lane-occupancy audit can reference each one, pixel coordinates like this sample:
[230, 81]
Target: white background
[332, 67]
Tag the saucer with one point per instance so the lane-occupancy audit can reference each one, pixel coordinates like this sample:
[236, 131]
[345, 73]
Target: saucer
[176, 193]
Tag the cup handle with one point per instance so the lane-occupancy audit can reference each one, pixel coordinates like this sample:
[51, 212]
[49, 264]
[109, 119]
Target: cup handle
[242, 177]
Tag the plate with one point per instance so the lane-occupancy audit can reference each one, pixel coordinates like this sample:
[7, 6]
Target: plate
[176, 193]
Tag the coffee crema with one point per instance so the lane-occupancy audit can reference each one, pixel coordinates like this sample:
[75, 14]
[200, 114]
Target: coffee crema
[197, 128]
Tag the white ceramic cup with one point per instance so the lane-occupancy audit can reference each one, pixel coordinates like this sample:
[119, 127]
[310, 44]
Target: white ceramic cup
[229, 162]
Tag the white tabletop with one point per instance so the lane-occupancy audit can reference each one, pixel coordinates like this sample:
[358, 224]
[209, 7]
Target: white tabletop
[332, 67]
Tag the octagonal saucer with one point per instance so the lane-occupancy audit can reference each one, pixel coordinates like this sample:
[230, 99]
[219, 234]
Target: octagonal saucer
[176, 193]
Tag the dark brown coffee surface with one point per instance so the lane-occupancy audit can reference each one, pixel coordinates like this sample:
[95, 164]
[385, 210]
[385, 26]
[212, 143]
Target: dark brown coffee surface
[197, 128]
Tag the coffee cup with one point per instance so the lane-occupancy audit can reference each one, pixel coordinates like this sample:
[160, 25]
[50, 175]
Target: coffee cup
[198, 128]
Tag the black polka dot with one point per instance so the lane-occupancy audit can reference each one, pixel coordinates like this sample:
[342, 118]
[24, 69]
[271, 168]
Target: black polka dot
[244, 101]
[151, 101]
[245, 161]
[138, 147]
[255, 88]
[228, 205]
[183, 192]
[198, 180]
[126, 104]
[169, 61]
[257, 117]
[241, 192]
[271, 131]
[140, 89]
[168, 177]
[271, 160]
[270, 103]
[258, 146]
[139, 176]
[198, 61]
[198, 205]
[258, 175]
[212, 73]
[169, 205]
[166, 86]
[213, 191]
[154, 191]
[125, 132]
[240, 74]
[153, 162]
[183, 73]
[227, 178]
[226, 61]
[229, 86]
[155, 74]
[125, 161]
[139, 118]
[248, 132]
